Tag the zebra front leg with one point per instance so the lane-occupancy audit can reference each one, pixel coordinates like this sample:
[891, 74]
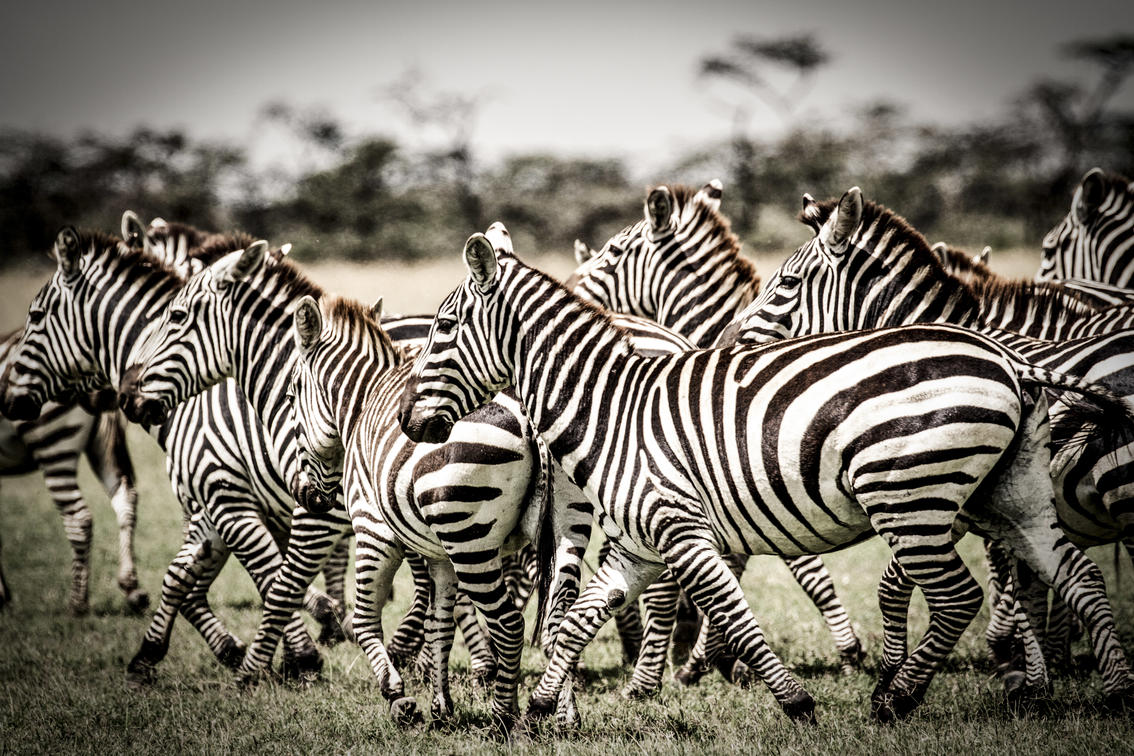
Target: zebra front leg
[660, 602]
[410, 634]
[619, 581]
[627, 619]
[1001, 633]
[332, 630]
[202, 547]
[61, 477]
[705, 576]
[816, 582]
[376, 560]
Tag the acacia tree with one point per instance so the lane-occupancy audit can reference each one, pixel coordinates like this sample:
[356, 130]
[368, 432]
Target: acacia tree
[748, 63]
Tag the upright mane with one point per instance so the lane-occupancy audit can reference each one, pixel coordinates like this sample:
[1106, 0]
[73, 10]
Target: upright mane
[212, 247]
[359, 318]
[726, 241]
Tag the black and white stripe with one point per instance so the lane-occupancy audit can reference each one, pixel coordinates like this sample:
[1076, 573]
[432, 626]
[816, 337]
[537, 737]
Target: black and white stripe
[1095, 241]
[794, 448]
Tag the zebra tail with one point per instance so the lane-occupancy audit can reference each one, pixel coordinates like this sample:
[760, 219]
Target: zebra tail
[546, 542]
[107, 452]
[1097, 414]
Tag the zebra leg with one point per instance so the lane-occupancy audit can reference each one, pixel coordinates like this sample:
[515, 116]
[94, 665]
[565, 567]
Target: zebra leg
[439, 630]
[619, 580]
[1030, 608]
[226, 647]
[705, 576]
[627, 619]
[660, 601]
[711, 650]
[312, 539]
[1057, 641]
[377, 556]
[110, 461]
[202, 547]
[61, 477]
[334, 580]
[895, 589]
[408, 638]
[5, 592]
[686, 632]
[816, 582]
[1001, 633]
[482, 660]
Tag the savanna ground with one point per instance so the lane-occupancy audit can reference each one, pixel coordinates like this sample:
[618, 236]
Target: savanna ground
[62, 678]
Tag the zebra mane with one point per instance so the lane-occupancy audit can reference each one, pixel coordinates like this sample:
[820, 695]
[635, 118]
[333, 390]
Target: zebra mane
[358, 316]
[281, 274]
[195, 236]
[1049, 296]
[104, 245]
[725, 241]
[213, 247]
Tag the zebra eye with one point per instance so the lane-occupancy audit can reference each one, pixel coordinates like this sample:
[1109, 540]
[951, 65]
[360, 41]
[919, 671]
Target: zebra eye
[178, 316]
[36, 316]
[789, 282]
[446, 325]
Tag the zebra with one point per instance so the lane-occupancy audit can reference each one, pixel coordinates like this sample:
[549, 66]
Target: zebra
[232, 290]
[54, 443]
[910, 423]
[1095, 240]
[963, 266]
[682, 267]
[867, 268]
[81, 329]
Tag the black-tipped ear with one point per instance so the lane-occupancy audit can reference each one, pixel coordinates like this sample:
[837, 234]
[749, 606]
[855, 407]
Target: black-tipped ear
[250, 261]
[711, 194]
[1092, 192]
[308, 322]
[67, 251]
[811, 215]
[847, 218]
[376, 310]
[480, 258]
[133, 232]
[659, 208]
[985, 253]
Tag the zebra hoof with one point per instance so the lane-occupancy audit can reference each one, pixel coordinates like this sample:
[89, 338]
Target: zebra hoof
[851, 659]
[139, 675]
[306, 668]
[484, 676]
[441, 714]
[331, 633]
[231, 654]
[405, 713]
[800, 708]
[688, 675]
[80, 608]
[634, 692]
[893, 705]
[740, 675]
[138, 601]
[1022, 698]
[1120, 702]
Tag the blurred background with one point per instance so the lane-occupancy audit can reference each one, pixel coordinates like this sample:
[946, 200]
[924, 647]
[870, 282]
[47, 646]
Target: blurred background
[371, 132]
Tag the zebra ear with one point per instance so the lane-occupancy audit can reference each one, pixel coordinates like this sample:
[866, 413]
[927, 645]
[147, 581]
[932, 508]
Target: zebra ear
[244, 263]
[501, 240]
[711, 193]
[308, 323]
[133, 232]
[982, 258]
[480, 258]
[376, 310]
[845, 221]
[1089, 198]
[67, 251]
[583, 252]
[941, 249]
[811, 215]
[659, 208]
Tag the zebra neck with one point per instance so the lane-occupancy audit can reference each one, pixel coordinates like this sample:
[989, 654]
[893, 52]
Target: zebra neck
[264, 355]
[363, 381]
[903, 287]
[565, 355]
[123, 302]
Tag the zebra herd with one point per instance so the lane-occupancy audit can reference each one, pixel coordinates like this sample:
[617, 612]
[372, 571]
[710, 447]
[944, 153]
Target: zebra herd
[872, 385]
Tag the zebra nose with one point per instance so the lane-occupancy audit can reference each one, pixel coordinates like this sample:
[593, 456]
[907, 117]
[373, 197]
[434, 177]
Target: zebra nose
[145, 410]
[21, 407]
[314, 500]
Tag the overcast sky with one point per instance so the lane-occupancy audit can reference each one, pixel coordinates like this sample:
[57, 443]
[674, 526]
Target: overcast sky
[578, 77]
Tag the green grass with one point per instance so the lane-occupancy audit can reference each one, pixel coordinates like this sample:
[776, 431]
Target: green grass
[62, 678]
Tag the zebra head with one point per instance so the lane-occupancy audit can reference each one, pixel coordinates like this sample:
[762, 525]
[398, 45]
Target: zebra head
[54, 357]
[670, 266]
[320, 447]
[189, 349]
[1095, 240]
[463, 364]
[801, 297]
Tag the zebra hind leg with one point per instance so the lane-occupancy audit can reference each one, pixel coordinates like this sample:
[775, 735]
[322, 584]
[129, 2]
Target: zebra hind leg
[816, 582]
[660, 602]
[482, 660]
[409, 637]
[711, 649]
[439, 632]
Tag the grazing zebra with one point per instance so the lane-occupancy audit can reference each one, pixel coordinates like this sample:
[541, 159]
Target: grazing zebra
[82, 327]
[866, 268]
[53, 443]
[833, 438]
[681, 266]
[1095, 240]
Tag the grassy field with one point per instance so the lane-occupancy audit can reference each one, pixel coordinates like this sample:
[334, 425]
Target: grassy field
[62, 678]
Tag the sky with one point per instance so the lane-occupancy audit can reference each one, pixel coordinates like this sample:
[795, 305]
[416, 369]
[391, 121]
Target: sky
[579, 78]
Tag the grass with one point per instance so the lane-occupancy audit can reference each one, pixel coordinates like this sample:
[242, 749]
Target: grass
[62, 678]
